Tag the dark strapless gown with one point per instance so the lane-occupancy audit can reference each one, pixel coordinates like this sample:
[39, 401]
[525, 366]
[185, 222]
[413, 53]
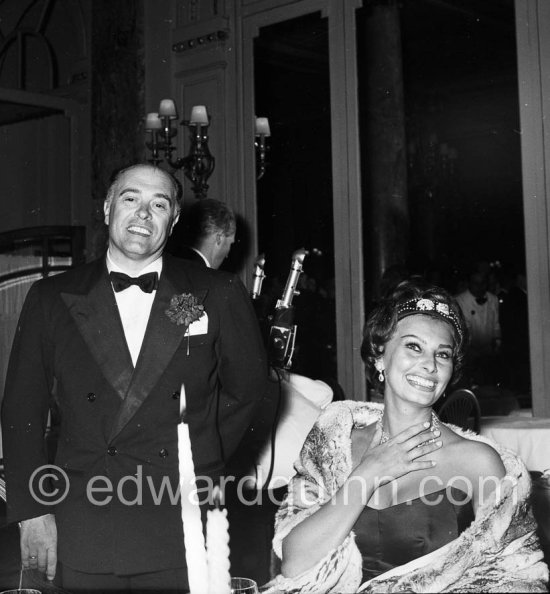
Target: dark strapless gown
[396, 535]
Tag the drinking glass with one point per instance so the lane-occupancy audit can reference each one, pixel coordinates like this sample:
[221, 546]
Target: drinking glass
[21, 591]
[241, 585]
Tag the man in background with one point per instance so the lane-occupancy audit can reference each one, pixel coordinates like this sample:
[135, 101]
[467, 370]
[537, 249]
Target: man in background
[210, 227]
[481, 310]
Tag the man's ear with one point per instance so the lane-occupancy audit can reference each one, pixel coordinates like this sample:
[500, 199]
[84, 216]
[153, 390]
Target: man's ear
[176, 219]
[106, 210]
[219, 237]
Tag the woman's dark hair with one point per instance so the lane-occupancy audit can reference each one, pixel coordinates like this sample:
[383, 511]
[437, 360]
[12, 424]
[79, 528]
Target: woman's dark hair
[411, 297]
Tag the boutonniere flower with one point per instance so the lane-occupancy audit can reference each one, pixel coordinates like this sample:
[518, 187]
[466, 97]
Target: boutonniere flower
[184, 310]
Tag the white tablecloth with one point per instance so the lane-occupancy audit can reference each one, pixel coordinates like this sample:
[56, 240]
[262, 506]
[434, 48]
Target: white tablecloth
[527, 436]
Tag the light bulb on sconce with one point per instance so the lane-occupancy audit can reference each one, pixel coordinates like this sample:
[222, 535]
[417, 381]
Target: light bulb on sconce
[199, 163]
[261, 132]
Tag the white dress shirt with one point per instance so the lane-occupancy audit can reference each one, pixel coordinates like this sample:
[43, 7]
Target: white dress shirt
[134, 306]
[482, 320]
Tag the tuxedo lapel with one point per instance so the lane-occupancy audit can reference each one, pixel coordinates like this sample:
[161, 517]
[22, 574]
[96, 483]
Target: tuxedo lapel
[162, 338]
[96, 315]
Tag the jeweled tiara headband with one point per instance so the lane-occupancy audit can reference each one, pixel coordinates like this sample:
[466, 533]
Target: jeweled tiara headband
[430, 306]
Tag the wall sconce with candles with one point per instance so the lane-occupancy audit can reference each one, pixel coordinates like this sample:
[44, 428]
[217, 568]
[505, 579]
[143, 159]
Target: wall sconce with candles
[199, 164]
[262, 132]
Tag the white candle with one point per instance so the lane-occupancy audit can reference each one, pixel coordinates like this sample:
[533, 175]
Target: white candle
[167, 109]
[195, 552]
[217, 548]
[199, 115]
[262, 127]
[152, 121]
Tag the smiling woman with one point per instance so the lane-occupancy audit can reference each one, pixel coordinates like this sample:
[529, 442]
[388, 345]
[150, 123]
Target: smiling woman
[418, 301]
[417, 361]
[379, 487]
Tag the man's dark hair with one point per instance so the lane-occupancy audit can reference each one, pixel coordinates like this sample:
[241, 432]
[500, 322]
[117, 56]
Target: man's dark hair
[117, 174]
[209, 216]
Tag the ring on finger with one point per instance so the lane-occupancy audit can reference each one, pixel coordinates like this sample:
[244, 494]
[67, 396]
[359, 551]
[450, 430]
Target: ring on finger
[33, 557]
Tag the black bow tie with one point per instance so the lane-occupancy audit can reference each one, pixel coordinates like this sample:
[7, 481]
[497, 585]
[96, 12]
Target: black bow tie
[481, 300]
[146, 282]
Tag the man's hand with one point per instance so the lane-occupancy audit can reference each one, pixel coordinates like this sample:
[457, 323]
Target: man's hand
[39, 544]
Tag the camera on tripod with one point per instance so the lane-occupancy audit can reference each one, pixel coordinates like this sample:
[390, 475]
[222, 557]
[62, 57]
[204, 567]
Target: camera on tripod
[282, 338]
[282, 334]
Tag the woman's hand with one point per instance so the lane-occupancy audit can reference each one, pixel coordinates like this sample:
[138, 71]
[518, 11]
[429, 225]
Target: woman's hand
[326, 528]
[400, 454]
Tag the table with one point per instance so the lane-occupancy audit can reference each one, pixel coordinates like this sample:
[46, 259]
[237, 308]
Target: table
[527, 436]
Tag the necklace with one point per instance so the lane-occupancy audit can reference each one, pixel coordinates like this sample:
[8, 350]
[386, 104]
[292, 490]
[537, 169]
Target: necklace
[434, 426]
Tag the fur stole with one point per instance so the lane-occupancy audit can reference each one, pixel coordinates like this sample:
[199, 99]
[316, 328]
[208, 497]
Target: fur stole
[498, 552]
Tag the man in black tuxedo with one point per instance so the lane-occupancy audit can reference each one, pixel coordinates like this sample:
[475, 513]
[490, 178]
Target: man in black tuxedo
[210, 233]
[115, 362]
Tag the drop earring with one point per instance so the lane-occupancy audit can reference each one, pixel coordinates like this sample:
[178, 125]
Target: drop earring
[381, 375]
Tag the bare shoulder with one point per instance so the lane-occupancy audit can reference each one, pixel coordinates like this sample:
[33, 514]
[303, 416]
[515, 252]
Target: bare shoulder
[361, 441]
[476, 458]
